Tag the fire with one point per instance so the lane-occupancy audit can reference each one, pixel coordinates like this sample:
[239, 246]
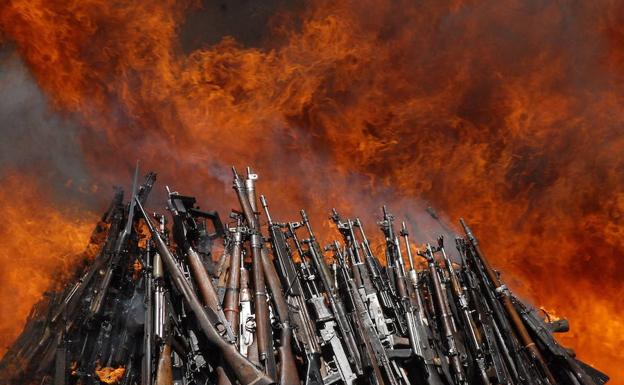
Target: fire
[40, 245]
[143, 233]
[550, 315]
[507, 114]
[137, 267]
[109, 375]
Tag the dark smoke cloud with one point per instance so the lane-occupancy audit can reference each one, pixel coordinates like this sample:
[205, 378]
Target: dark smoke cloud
[245, 21]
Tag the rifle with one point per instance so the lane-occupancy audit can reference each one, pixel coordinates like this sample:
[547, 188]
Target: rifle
[363, 279]
[520, 367]
[329, 330]
[393, 253]
[505, 297]
[180, 208]
[304, 327]
[288, 368]
[424, 349]
[470, 326]
[497, 354]
[585, 375]
[38, 342]
[263, 328]
[164, 369]
[386, 226]
[232, 292]
[412, 273]
[185, 230]
[100, 292]
[113, 217]
[247, 344]
[373, 348]
[381, 281]
[335, 301]
[244, 370]
[441, 302]
[406, 303]
[148, 326]
[160, 309]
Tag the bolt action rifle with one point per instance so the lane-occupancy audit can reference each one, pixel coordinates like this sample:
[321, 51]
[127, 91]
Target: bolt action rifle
[263, 328]
[244, 370]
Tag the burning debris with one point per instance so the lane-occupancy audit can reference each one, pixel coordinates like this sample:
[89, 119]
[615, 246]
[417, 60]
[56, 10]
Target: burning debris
[200, 302]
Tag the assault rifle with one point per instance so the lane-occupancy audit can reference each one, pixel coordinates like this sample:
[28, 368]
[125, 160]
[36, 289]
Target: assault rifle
[340, 363]
[305, 333]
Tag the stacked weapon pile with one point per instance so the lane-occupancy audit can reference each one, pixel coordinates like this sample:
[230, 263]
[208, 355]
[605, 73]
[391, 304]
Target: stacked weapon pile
[278, 306]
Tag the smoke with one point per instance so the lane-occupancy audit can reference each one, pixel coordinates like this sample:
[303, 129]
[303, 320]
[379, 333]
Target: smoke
[246, 21]
[36, 139]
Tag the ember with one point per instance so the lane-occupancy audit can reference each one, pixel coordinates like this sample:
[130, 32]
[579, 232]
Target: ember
[110, 375]
[179, 308]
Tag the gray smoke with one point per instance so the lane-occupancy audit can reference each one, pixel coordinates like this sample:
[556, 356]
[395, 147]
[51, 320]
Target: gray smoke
[35, 139]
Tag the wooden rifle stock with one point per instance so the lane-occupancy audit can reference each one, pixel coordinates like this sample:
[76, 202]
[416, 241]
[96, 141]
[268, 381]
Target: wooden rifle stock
[232, 290]
[263, 330]
[244, 370]
[164, 371]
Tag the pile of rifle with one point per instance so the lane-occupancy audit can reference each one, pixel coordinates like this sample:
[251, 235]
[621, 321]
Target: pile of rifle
[275, 306]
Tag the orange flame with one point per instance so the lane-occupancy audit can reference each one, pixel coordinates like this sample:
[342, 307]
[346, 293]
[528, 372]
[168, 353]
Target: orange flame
[137, 267]
[109, 375]
[508, 114]
[40, 245]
